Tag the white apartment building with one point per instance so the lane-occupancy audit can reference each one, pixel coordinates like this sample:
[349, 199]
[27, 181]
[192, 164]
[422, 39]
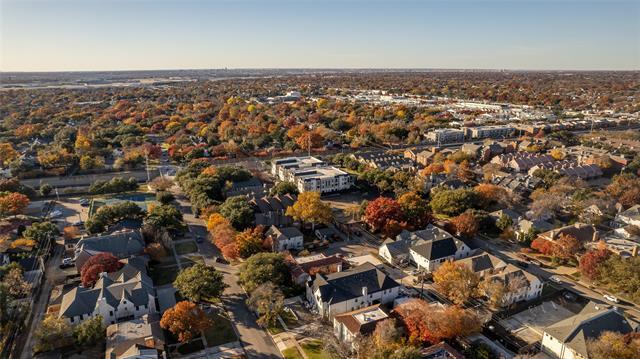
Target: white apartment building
[481, 132]
[311, 174]
[445, 135]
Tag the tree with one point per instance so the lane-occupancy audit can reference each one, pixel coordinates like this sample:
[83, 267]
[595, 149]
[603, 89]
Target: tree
[7, 153]
[494, 290]
[99, 263]
[89, 332]
[185, 320]
[615, 345]
[381, 211]
[165, 216]
[12, 203]
[200, 282]
[558, 154]
[626, 189]
[479, 350]
[51, 332]
[309, 208]
[41, 231]
[249, 242]
[566, 246]
[264, 267]
[456, 281]
[429, 323]
[543, 246]
[490, 194]
[164, 197]
[387, 334]
[268, 301]
[466, 224]
[17, 286]
[415, 209]
[238, 211]
[452, 202]
[282, 188]
[591, 261]
[161, 184]
[45, 189]
[504, 222]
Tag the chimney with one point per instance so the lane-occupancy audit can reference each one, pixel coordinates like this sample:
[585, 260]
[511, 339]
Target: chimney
[595, 235]
[634, 251]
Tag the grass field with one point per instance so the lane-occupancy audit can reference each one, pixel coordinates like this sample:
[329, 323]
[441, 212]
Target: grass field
[186, 247]
[221, 332]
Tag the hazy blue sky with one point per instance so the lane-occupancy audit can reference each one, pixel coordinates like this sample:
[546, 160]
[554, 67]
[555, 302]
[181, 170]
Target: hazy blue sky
[79, 35]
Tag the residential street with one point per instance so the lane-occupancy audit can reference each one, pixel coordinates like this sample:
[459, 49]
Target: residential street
[508, 254]
[255, 340]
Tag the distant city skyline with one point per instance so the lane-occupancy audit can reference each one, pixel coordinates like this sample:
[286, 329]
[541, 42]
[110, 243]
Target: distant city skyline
[93, 35]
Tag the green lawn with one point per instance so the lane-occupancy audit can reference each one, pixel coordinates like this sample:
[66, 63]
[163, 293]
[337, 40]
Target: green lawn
[313, 349]
[221, 332]
[163, 274]
[292, 353]
[186, 247]
[191, 260]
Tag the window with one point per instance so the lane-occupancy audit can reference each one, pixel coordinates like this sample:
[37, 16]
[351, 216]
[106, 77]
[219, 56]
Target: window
[71, 319]
[111, 313]
[136, 307]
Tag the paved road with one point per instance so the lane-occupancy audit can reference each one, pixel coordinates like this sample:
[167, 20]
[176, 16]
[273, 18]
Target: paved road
[256, 342]
[509, 254]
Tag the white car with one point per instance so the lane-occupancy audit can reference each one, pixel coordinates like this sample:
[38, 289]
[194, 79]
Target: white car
[55, 214]
[610, 298]
[555, 279]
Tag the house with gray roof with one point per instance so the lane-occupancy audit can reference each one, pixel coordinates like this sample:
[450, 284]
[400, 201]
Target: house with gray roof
[122, 295]
[352, 289]
[144, 333]
[631, 216]
[567, 339]
[427, 248]
[270, 210]
[285, 238]
[122, 244]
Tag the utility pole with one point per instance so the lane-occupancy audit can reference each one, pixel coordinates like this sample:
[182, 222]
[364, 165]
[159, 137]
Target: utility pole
[146, 161]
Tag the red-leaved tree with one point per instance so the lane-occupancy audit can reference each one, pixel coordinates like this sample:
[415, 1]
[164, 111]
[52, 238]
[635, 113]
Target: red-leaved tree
[101, 262]
[590, 262]
[382, 210]
[466, 224]
[543, 246]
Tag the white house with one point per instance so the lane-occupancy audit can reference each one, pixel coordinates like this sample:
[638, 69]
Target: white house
[352, 289]
[408, 247]
[567, 339]
[630, 216]
[347, 327]
[122, 295]
[285, 238]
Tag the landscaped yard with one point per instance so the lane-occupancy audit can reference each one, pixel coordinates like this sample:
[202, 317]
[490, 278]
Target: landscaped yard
[313, 349]
[191, 260]
[186, 247]
[221, 332]
[163, 274]
[292, 353]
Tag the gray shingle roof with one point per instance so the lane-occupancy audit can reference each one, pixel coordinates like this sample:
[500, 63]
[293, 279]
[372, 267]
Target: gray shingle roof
[341, 286]
[128, 282]
[589, 324]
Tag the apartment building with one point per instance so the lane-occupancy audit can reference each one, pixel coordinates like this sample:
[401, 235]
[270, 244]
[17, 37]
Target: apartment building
[481, 132]
[445, 135]
[311, 174]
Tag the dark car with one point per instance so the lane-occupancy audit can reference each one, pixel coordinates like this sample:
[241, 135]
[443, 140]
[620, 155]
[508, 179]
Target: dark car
[521, 264]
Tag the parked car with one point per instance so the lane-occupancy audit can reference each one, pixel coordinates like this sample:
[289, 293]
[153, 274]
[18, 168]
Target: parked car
[521, 264]
[55, 214]
[78, 223]
[611, 298]
[555, 279]
[199, 239]
[84, 202]
[570, 296]
[67, 263]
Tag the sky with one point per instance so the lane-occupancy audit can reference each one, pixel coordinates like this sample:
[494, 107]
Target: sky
[87, 35]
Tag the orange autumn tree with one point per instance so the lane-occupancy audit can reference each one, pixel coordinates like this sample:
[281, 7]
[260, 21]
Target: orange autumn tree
[185, 320]
[12, 203]
[432, 323]
[223, 235]
[466, 224]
